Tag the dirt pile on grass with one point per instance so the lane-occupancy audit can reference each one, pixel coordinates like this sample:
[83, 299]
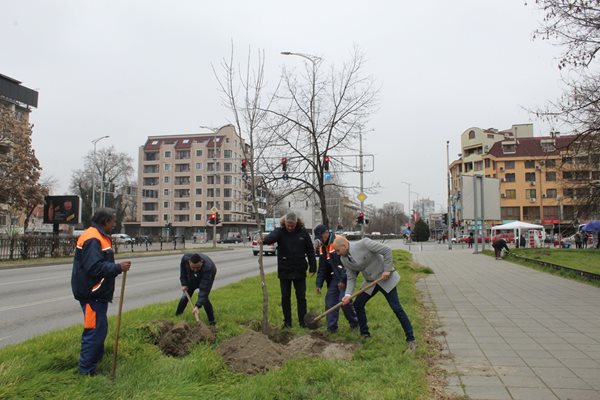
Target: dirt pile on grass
[177, 339]
[253, 352]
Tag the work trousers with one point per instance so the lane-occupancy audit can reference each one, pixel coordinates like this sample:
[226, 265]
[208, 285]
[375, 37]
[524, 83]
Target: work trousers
[393, 301]
[333, 296]
[95, 328]
[286, 299]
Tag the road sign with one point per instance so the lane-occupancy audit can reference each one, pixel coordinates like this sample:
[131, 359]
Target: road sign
[362, 197]
[214, 210]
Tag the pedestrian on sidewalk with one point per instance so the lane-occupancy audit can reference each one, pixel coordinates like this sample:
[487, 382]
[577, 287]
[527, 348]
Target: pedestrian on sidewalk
[498, 245]
[374, 260]
[197, 271]
[470, 240]
[332, 272]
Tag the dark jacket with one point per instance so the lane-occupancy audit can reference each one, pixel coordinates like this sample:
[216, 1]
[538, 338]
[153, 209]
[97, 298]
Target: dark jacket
[293, 249]
[330, 264]
[94, 267]
[203, 279]
[500, 244]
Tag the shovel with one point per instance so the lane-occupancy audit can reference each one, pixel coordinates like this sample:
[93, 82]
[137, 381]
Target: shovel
[191, 304]
[312, 322]
[118, 328]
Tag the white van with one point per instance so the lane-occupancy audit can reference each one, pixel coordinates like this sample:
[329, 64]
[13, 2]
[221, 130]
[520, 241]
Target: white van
[121, 238]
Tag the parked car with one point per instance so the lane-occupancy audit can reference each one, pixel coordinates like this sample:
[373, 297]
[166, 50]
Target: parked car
[232, 238]
[461, 239]
[509, 237]
[267, 248]
[122, 238]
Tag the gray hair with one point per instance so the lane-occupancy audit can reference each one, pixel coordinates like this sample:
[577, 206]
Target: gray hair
[291, 217]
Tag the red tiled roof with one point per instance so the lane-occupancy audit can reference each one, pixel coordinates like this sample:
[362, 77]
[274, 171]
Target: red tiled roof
[531, 147]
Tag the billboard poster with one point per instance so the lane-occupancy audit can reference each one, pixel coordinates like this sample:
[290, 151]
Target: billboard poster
[62, 210]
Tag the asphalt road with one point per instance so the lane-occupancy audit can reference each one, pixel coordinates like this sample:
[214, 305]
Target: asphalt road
[35, 300]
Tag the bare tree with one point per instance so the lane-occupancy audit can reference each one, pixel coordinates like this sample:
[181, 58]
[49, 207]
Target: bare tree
[112, 172]
[317, 116]
[575, 25]
[243, 92]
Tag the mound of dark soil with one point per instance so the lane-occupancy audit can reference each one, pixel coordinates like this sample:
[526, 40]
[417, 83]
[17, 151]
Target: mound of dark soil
[177, 339]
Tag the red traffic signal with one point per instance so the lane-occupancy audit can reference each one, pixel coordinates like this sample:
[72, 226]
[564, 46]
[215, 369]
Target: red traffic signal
[244, 165]
[326, 160]
[212, 218]
[360, 219]
[284, 161]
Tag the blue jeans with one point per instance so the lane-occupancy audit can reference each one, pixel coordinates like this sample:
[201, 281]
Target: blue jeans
[333, 296]
[286, 299]
[393, 301]
[94, 333]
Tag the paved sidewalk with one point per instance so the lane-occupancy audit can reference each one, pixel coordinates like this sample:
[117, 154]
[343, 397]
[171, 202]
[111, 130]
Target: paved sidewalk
[514, 333]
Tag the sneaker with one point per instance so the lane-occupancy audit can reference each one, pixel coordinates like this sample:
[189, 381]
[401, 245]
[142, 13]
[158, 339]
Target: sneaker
[411, 346]
[365, 335]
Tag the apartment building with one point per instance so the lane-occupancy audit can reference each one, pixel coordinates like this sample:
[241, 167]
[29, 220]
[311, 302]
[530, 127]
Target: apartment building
[18, 100]
[182, 178]
[542, 179]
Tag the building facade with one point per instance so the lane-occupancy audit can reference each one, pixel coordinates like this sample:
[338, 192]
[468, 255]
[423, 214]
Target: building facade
[183, 178]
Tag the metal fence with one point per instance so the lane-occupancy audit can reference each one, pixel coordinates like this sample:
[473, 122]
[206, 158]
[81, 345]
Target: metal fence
[25, 247]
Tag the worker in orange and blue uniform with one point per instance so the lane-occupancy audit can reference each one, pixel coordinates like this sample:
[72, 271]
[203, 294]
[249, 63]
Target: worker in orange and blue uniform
[332, 272]
[93, 284]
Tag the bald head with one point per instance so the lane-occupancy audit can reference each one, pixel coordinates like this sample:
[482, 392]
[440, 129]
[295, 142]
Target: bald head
[341, 245]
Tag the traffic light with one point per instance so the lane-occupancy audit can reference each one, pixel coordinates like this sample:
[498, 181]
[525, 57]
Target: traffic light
[284, 161]
[244, 166]
[326, 160]
[212, 218]
[217, 218]
[360, 219]
[445, 218]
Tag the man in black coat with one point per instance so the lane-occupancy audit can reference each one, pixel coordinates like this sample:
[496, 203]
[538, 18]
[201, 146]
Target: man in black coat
[498, 245]
[197, 271]
[294, 247]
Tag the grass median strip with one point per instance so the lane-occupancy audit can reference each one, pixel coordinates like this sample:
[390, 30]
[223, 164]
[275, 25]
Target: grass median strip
[46, 367]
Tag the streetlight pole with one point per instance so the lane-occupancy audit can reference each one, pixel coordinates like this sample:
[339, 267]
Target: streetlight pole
[314, 60]
[409, 206]
[360, 171]
[449, 219]
[215, 132]
[94, 173]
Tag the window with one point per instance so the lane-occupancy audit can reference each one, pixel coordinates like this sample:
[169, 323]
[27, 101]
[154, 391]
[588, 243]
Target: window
[226, 192]
[198, 217]
[550, 163]
[227, 153]
[182, 155]
[551, 212]
[509, 148]
[182, 180]
[186, 141]
[567, 175]
[227, 179]
[510, 213]
[167, 167]
[166, 179]
[167, 154]
[198, 191]
[471, 134]
[198, 178]
[226, 205]
[149, 218]
[530, 164]
[198, 153]
[227, 167]
[478, 165]
[179, 193]
[150, 181]
[166, 217]
[166, 204]
[151, 156]
[551, 176]
[529, 176]
[509, 178]
[151, 169]
[198, 204]
[530, 193]
[166, 192]
[531, 213]
[511, 193]
[487, 162]
[182, 167]
[569, 192]
[551, 193]
[198, 165]
[567, 160]
[210, 193]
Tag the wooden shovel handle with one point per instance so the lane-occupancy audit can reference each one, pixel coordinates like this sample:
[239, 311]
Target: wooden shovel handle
[338, 305]
[190, 300]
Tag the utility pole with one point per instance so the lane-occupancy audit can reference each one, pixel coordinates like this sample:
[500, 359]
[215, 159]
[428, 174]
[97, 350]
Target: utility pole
[449, 212]
[94, 174]
[360, 171]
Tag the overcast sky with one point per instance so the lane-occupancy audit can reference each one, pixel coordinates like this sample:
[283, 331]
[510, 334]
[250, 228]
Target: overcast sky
[131, 69]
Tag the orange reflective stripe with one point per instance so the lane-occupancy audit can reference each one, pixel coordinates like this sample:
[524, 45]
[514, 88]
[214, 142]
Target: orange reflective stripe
[93, 233]
[89, 319]
[97, 285]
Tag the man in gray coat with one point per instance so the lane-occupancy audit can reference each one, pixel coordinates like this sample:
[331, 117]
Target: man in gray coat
[374, 260]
